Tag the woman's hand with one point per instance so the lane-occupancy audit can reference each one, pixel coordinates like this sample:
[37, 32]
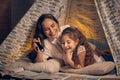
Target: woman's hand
[35, 40]
[39, 57]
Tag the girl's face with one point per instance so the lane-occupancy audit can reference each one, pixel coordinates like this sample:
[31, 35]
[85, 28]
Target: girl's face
[51, 28]
[68, 44]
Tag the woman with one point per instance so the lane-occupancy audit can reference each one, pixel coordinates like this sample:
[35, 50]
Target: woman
[46, 34]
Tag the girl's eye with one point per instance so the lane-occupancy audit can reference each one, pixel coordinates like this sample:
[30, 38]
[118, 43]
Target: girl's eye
[68, 42]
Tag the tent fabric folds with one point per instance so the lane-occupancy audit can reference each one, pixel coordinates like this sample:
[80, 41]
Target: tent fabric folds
[109, 13]
[19, 41]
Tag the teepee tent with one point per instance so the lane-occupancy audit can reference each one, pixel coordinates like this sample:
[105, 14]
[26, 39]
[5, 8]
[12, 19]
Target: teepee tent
[94, 21]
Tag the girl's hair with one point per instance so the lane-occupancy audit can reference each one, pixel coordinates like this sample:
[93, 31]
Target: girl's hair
[75, 34]
[39, 32]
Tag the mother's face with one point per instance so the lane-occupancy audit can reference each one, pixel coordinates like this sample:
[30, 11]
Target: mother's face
[51, 28]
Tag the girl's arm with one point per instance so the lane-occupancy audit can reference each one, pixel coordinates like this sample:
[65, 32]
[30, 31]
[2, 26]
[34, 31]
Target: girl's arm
[80, 55]
[81, 58]
[68, 60]
[81, 52]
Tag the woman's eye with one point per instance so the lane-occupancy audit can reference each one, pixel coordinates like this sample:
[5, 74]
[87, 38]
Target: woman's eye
[53, 25]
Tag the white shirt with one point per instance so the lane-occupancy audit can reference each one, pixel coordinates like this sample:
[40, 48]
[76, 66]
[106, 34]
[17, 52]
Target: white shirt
[52, 48]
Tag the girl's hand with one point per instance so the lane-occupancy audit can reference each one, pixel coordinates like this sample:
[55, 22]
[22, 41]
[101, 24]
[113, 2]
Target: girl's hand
[68, 56]
[68, 59]
[64, 59]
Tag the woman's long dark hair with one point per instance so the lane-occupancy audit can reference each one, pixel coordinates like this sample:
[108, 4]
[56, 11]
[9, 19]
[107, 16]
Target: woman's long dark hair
[39, 32]
[75, 34]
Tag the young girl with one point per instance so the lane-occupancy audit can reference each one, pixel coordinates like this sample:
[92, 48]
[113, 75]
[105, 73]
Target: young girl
[78, 51]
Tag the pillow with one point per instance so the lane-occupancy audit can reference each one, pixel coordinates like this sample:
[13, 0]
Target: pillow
[49, 66]
[95, 69]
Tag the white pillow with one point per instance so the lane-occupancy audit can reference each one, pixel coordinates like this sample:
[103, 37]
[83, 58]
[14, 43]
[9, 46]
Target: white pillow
[50, 66]
[97, 68]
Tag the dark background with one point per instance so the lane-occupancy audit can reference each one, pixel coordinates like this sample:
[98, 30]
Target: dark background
[11, 11]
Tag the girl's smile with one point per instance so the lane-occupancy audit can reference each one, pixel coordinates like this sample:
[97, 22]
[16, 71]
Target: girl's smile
[68, 44]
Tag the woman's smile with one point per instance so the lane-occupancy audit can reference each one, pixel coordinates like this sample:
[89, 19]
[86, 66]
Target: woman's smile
[51, 28]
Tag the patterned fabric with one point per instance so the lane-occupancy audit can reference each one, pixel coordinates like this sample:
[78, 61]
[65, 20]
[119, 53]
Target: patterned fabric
[109, 13]
[19, 40]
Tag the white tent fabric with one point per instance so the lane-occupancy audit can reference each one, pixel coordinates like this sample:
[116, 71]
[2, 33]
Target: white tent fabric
[109, 13]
